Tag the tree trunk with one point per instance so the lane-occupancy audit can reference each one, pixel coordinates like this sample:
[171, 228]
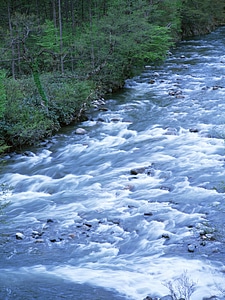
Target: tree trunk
[37, 81]
[61, 38]
[54, 13]
[12, 41]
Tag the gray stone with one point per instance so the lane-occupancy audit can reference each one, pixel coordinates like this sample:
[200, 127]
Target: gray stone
[80, 131]
[191, 248]
[20, 236]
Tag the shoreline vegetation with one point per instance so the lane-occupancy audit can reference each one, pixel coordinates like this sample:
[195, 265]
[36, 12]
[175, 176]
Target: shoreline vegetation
[60, 56]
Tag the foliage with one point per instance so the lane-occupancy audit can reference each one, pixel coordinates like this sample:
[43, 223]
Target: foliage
[95, 45]
[167, 14]
[26, 119]
[3, 103]
[201, 16]
[2, 94]
[68, 98]
[37, 81]
[26, 124]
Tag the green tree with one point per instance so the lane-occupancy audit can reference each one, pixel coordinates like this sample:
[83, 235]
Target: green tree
[3, 100]
[201, 16]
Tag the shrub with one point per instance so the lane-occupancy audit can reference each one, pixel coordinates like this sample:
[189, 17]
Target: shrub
[181, 288]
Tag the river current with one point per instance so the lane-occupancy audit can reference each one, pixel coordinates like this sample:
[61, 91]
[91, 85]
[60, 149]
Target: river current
[136, 202]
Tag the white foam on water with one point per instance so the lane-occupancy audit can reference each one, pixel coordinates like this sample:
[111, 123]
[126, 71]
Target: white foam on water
[142, 277]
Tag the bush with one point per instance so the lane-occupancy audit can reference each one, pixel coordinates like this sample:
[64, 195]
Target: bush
[181, 288]
[28, 120]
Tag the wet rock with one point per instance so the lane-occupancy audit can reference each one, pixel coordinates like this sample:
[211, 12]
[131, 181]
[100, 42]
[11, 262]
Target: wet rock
[28, 154]
[100, 120]
[175, 93]
[205, 88]
[55, 240]
[117, 222]
[88, 225]
[152, 81]
[193, 130]
[203, 243]
[20, 236]
[148, 214]
[191, 248]
[165, 236]
[80, 131]
[216, 87]
[137, 171]
[149, 171]
[50, 221]
[36, 234]
[39, 241]
[156, 74]
[207, 233]
[103, 109]
[165, 188]
[115, 120]
[210, 237]
[142, 170]
[172, 93]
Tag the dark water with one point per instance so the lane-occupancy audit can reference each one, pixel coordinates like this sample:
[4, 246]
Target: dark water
[81, 225]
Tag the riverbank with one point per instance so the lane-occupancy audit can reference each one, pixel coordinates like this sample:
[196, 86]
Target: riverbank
[43, 89]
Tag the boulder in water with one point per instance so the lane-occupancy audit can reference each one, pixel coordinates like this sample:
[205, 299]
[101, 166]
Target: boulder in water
[80, 131]
[20, 236]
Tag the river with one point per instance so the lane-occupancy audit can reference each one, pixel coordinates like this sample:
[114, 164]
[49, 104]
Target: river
[136, 202]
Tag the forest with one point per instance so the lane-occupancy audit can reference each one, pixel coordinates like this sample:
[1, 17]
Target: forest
[57, 56]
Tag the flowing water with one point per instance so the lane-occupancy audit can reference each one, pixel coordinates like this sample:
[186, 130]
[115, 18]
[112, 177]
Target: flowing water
[136, 202]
